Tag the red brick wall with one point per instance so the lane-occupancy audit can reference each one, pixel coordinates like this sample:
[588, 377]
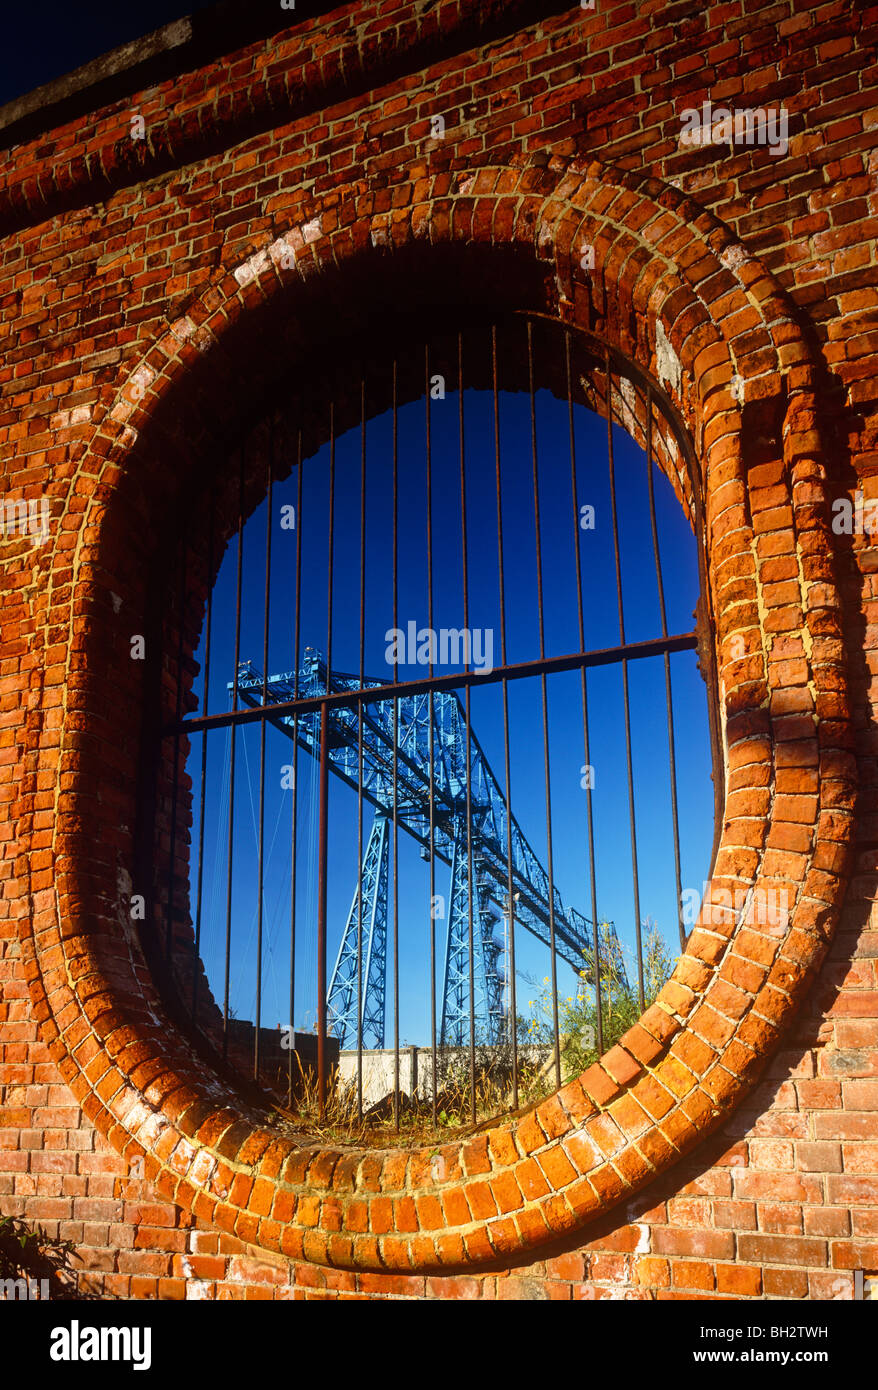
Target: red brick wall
[730, 1147]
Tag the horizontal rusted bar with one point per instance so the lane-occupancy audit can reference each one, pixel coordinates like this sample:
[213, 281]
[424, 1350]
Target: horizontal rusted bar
[373, 694]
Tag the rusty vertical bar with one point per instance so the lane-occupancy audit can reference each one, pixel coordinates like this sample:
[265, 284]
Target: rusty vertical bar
[431, 714]
[294, 810]
[203, 774]
[468, 723]
[545, 703]
[360, 746]
[669, 702]
[262, 732]
[330, 544]
[360, 911]
[175, 778]
[395, 757]
[510, 895]
[297, 625]
[470, 895]
[323, 836]
[625, 699]
[596, 962]
[329, 570]
[231, 832]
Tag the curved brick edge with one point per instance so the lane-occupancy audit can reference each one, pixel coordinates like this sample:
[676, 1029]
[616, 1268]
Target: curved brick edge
[278, 78]
[692, 1056]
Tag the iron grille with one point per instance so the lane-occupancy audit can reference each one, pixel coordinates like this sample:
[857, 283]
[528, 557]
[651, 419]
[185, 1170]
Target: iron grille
[408, 749]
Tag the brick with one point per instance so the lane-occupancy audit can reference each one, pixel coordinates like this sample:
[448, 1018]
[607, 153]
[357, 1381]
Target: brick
[692, 1274]
[739, 1280]
[784, 1283]
[137, 339]
[860, 1094]
[711, 1245]
[782, 1250]
[820, 1157]
[852, 1190]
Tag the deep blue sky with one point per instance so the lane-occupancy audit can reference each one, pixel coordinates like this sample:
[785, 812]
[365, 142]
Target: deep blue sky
[41, 42]
[648, 717]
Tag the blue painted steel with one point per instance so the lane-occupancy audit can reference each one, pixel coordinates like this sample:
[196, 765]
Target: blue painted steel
[492, 1025]
[490, 837]
[341, 997]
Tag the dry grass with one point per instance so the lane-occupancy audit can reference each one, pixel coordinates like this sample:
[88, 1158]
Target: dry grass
[342, 1124]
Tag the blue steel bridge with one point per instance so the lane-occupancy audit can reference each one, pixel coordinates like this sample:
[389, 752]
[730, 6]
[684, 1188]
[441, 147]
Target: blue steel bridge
[430, 735]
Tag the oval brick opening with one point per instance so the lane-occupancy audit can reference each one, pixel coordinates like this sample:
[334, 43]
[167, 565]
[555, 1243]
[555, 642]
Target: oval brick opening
[683, 300]
[210, 528]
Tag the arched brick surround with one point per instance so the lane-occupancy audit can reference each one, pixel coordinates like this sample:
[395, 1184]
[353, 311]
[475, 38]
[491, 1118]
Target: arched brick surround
[107, 242]
[743, 377]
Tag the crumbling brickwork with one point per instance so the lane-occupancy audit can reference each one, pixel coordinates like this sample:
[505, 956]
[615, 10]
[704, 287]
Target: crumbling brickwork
[729, 1147]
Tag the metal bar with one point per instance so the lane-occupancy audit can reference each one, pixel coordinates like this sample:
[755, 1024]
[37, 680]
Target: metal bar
[470, 921]
[707, 654]
[294, 817]
[603, 351]
[200, 878]
[672, 768]
[550, 870]
[468, 725]
[203, 778]
[231, 834]
[510, 897]
[632, 651]
[533, 446]
[324, 756]
[362, 525]
[553, 962]
[462, 450]
[175, 776]
[672, 759]
[360, 747]
[625, 699]
[596, 964]
[294, 812]
[395, 913]
[330, 543]
[360, 913]
[323, 835]
[395, 760]
[298, 618]
[262, 728]
[431, 716]
[610, 460]
[652, 518]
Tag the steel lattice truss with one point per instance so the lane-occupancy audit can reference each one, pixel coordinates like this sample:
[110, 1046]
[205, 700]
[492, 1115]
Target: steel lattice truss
[431, 756]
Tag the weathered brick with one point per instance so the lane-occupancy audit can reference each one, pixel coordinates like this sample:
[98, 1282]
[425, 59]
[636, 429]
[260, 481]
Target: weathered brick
[113, 400]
